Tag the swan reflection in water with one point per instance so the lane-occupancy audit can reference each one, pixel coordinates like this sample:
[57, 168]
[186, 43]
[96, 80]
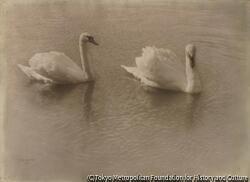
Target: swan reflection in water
[172, 102]
[87, 100]
[77, 96]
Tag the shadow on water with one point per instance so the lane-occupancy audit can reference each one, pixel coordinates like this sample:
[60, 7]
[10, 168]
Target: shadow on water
[54, 92]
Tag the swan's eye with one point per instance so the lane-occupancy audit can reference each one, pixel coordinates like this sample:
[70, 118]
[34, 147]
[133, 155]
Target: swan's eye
[90, 38]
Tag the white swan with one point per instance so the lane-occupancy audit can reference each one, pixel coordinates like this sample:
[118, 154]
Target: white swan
[161, 68]
[57, 68]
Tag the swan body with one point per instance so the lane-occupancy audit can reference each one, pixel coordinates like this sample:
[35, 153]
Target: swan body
[160, 68]
[57, 68]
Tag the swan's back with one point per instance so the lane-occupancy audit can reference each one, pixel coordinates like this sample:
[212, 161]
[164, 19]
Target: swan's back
[163, 67]
[57, 66]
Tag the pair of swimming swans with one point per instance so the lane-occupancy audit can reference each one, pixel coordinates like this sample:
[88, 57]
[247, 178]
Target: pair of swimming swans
[159, 68]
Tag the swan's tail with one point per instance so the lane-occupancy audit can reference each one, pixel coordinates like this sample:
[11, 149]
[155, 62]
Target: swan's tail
[131, 70]
[33, 75]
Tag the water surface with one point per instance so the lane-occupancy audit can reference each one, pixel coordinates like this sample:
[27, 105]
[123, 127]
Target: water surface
[115, 125]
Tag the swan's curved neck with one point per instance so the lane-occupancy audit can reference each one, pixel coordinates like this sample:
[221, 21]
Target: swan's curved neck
[189, 75]
[193, 84]
[84, 59]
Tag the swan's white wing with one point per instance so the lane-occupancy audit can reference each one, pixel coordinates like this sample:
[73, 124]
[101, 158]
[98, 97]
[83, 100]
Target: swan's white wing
[57, 66]
[33, 75]
[139, 75]
[163, 67]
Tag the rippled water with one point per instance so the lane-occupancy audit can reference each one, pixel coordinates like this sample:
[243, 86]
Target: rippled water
[115, 125]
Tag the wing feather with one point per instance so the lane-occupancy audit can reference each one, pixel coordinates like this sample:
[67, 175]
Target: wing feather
[161, 66]
[57, 66]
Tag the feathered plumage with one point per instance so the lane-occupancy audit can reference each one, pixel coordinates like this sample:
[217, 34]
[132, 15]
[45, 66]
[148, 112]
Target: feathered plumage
[57, 68]
[158, 67]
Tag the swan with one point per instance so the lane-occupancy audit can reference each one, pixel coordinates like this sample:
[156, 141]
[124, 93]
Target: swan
[160, 68]
[57, 68]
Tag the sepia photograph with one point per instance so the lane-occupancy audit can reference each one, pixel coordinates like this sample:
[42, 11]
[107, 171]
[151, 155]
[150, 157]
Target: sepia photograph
[124, 90]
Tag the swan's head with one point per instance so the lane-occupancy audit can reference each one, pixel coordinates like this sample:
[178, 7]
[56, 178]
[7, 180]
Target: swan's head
[86, 37]
[190, 53]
